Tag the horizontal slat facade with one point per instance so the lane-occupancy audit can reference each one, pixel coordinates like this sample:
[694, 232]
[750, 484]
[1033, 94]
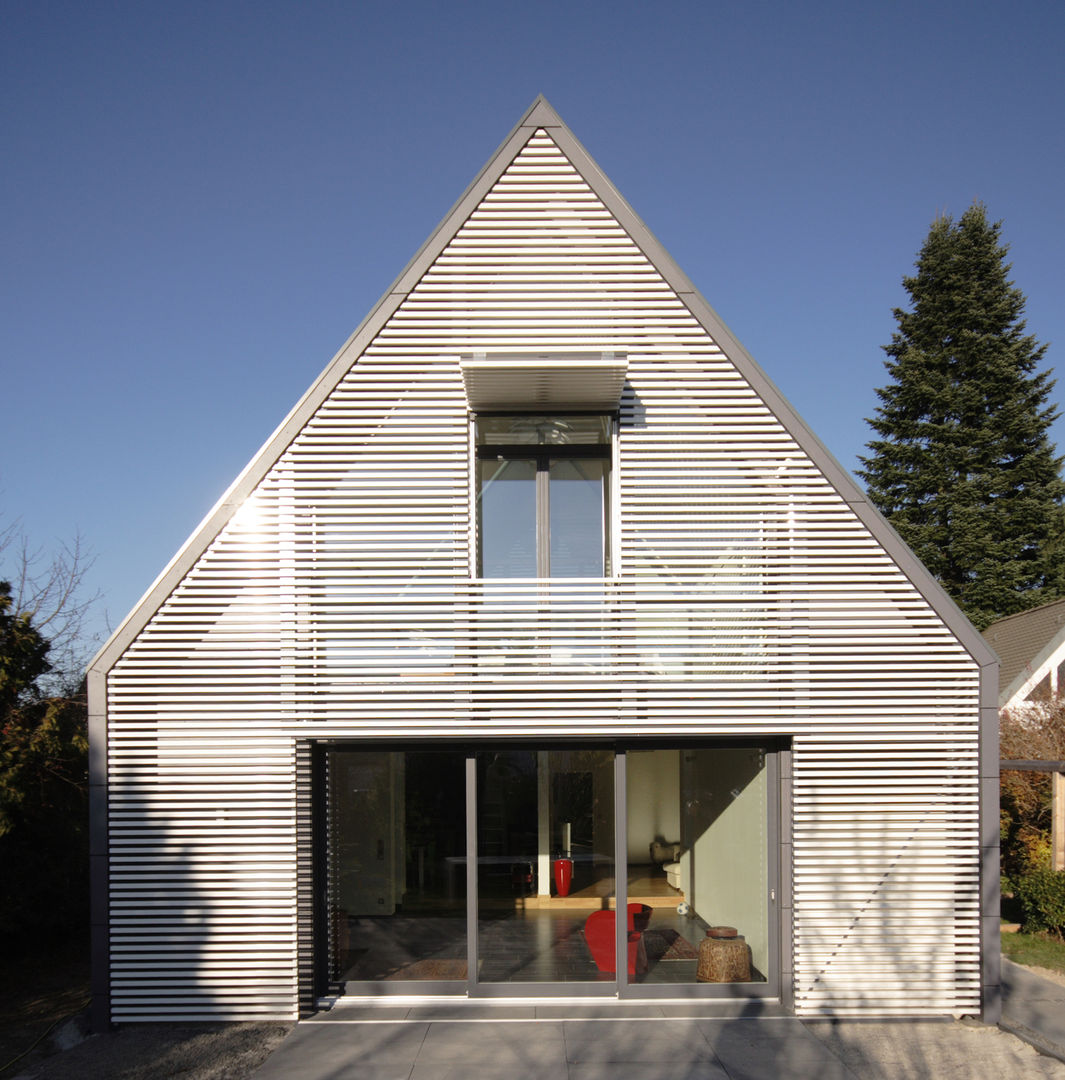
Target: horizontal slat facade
[338, 602]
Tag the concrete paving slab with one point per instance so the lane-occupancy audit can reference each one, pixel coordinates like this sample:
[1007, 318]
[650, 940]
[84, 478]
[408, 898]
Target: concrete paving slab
[465, 1070]
[650, 1048]
[658, 1070]
[356, 1070]
[754, 1031]
[771, 1048]
[472, 1012]
[917, 1050]
[723, 1009]
[781, 1068]
[513, 1046]
[599, 1012]
[329, 1051]
[1033, 1008]
[777, 1050]
[644, 1041]
[378, 1013]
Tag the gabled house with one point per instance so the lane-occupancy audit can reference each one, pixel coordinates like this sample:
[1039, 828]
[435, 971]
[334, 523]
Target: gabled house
[543, 604]
[1031, 650]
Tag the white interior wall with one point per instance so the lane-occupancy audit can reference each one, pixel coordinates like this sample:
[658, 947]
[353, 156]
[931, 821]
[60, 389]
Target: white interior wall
[653, 779]
[725, 867]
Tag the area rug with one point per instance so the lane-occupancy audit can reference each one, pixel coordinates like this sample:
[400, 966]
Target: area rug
[668, 945]
[429, 970]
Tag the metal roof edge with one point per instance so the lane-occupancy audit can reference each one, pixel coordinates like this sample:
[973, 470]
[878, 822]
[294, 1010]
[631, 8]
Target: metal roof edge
[539, 114]
[775, 400]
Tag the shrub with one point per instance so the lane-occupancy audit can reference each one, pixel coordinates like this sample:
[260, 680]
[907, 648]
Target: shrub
[1041, 894]
[1038, 733]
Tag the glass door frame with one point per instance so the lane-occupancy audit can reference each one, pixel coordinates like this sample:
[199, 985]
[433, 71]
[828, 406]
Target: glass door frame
[776, 749]
[326, 985]
[608, 989]
[777, 764]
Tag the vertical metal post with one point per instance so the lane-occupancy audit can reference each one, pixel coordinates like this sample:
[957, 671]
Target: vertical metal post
[621, 876]
[613, 501]
[320, 839]
[990, 888]
[1057, 821]
[471, 872]
[785, 915]
[99, 854]
[543, 809]
[473, 517]
[543, 517]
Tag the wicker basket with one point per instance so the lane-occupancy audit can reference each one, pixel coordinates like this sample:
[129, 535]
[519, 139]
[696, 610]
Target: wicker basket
[724, 956]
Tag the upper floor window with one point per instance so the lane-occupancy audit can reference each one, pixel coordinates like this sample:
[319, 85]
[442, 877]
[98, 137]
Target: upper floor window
[542, 496]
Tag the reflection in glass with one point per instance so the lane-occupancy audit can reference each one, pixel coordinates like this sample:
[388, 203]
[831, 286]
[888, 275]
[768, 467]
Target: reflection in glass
[576, 507]
[542, 495]
[543, 430]
[698, 853]
[397, 880]
[545, 862]
[507, 489]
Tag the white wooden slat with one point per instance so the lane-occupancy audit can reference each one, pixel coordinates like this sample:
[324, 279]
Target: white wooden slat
[337, 603]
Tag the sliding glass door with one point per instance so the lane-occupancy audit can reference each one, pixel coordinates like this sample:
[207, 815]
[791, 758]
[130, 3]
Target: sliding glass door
[691, 825]
[545, 863]
[396, 869]
[699, 833]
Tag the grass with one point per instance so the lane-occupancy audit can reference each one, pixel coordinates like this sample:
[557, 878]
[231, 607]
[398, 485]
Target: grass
[1035, 950]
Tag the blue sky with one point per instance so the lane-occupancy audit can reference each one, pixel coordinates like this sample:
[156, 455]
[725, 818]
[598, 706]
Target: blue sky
[200, 201]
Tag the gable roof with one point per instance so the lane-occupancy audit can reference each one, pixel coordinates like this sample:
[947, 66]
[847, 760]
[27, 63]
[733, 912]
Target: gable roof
[1024, 643]
[539, 116]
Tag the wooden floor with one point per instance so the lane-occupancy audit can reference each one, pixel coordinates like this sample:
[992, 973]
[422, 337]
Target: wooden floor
[643, 888]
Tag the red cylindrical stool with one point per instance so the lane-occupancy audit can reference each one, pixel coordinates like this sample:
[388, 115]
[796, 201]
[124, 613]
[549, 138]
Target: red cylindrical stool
[563, 869]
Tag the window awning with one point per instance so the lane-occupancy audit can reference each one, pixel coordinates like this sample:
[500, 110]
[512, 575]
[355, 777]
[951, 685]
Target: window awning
[544, 382]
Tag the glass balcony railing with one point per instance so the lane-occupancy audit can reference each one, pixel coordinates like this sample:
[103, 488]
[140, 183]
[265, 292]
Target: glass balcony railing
[571, 629]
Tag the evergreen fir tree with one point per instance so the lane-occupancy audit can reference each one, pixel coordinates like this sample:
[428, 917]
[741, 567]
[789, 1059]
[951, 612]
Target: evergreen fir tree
[964, 467]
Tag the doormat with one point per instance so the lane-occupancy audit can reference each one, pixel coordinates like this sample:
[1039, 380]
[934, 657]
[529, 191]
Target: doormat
[668, 945]
[429, 970]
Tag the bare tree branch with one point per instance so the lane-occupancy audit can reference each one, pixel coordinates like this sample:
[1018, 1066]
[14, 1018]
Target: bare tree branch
[50, 589]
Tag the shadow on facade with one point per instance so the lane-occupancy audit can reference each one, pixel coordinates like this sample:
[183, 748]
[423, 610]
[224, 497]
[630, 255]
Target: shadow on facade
[202, 900]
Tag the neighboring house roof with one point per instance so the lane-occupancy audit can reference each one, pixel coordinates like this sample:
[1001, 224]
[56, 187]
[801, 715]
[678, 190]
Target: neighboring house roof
[1029, 646]
[541, 115]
